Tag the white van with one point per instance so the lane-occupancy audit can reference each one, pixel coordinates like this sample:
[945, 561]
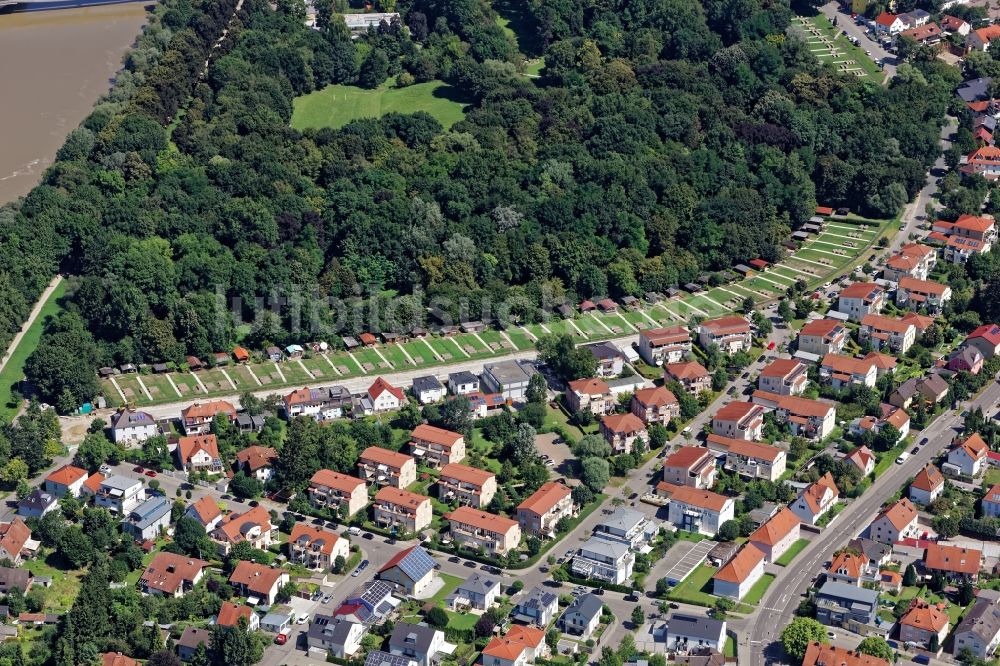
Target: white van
[354, 531]
[902, 458]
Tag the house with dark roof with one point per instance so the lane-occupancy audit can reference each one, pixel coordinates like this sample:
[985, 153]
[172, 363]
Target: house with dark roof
[427, 389]
[479, 591]
[582, 617]
[369, 604]
[537, 606]
[838, 604]
[149, 519]
[979, 630]
[132, 428]
[418, 642]
[340, 637]
[189, 641]
[690, 633]
[610, 359]
[412, 569]
[37, 504]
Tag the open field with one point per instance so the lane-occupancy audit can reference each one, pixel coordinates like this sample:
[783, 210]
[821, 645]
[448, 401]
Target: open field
[837, 51]
[337, 105]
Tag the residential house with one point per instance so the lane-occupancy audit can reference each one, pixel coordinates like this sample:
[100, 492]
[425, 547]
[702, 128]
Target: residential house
[603, 560]
[380, 657]
[339, 637]
[690, 466]
[887, 333]
[171, 574]
[784, 376]
[894, 416]
[848, 567]
[922, 622]
[197, 419]
[112, 658]
[967, 457]
[231, 614]
[860, 299]
[381, 397]
[690, 374]
[966, 359]
[739, 575]
[463, 383]
[695, 510]
[777, 535]
[67, 480]
[916, 294]
[821, 654]
[369, 604]
[981, 39]
[878, 554]
[538, 606]
[627, 526]
[889, 24]
[816, 499]
[913, 261]
[417, 642]
[845, 605]
[927, 35]
[466, 485]
[845, 371]
[543, 509]
[248, 423]
[749, 459]
[479, 591]
[149, 519]
[253, 526]
[428, 389]
[982, 228]
[191, 639]
[928, 485]
[436, 446]
[730, 333]
[979, 630]
[991, 502]
[196, 453]
[206, 511]
[621, 431]
[37, 504]
[316, 548]
[955, 562]
[323, 404]
[400, 509]
[16, 543]
[582, 617]
[862, 458]
[884, 363]
[986, 339]
[412, 569]
[120, 494]
[257, 462]
[655, 405]
[814, 419]
[984, 161]
[958, 250]
[475, 530]
[739, 420]
[385, 467]
[822, 337]
[691, 633]
[895, 523]
[660, 346]
[590, 395]
[11, 578]
[521, 646]
[132, 428]
[930, 390]
[610, 359]
[508, 378]
[335, 490]
[482, 405]
[259, 583]
[954, 25]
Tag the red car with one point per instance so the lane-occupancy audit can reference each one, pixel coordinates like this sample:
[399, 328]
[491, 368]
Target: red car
[137, 468]
[150, 473]
[280, 639]
[770, 346]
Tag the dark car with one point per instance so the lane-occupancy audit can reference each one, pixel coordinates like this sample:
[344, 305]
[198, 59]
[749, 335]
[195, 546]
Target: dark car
[914, 450]
[470, 564]
[923, 441]
[368, 535]
[254, 503]
[632, 598]
[137, 468]
[454, 559]
[673, 605]
[599, 591]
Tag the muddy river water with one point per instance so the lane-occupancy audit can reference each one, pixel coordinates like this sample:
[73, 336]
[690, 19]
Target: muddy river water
[53, 67]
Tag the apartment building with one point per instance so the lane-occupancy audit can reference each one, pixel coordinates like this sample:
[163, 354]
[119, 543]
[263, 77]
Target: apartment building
[695, 510]
[466, 485]
[590, 395]
[436, 446]
[731, 333]
[621, 431]
[823, 336]
[749, 459]
[860, 299]
[690, 466]
[887, 333]
[690, 374]
[475, 529]
[384, 467]
[540, 512]
[784, 376]
[959, 250]
[655, 405]
[401, 509]
[845, 371]
[916, 294]
[335, 490]
[252, 526]
[659, 346]
[913, 260]
[739, 420]
[316, 548]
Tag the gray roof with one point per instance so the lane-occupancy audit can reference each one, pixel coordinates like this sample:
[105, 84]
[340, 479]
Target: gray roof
[418, 637]
[332, 629]
[479, 584]
[426, 383]
[908, 388]
[983, 620]
[838, 590]
[149, 512]
[275, 619]
[10, 578]
[510, 372]
[380, 658]
[415, 563]
[194, 636]
[935, 383]
[975, 89]
[871, 549]
[608, 549]
[695, 626]
[126, 418]
[623, 519]
[587, 605]
[604, 350]
[538, 598]
[119, 482]
[38, 499]
[463, 377]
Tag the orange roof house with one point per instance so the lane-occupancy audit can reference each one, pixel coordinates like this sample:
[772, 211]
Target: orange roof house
[117, 659]
[778, 527]
[241, 355]
[256, 457]
[848, 567]
[740, 573]
[171, 574]
[518, 640]
[545, 498]
[230, 614]
[15, 540]
[206, 511]
[818, 654]
[927, 485]
[199, 452]
[953, 561]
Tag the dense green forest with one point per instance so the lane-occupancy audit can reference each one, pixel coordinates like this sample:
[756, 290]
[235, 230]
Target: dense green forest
[663, 139]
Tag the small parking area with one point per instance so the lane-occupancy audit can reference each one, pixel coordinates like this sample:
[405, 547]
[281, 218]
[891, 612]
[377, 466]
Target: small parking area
[558, 453]
[684, 558]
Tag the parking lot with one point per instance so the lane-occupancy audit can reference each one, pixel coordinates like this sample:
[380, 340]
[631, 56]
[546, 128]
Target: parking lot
[684, 558]
[557, 453]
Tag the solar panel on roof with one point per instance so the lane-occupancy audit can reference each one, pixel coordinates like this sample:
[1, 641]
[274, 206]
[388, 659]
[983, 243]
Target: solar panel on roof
[417, 564]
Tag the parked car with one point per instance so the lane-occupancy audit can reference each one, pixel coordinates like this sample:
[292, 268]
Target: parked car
[150, 473]
[138, 468]
[327, 598]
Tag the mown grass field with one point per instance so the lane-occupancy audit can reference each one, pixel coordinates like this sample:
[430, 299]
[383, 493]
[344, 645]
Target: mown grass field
[337, 105]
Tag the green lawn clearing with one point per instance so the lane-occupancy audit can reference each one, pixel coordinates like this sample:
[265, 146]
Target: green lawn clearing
[337, 105]
[65, 580]
[449, 584]
[419, 352]
[395, 356]
[694, 588]
[793, 550]
[756, 592]
[520, 339]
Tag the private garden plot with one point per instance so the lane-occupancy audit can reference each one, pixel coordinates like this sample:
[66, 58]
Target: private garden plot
[446, 349]
[497, 343]
[215, 381]
[242, 378]
[344, 363]
[319, 368]
[589, 327]
[520, 339]
[617, 325]
[160, 388]
[711, 307]
[110, 394]
[130, 387]
[731, 299]
[186, 384]
[294, 374]
[395, 356]
[471, 345]
[369, 360]
[419, 352]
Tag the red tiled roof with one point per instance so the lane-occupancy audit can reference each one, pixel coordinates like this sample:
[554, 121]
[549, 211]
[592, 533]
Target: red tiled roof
[230, 614]
[743, 447]
[94, 481]
[928, 479]
[192, 444]
[335, 480]
[380, 456]
[235, 526]
[818, 654]
[685, 370]
[886, 19]
[67, 475]
[666, 336]
[168, 571]
[704, 499]
[542, 500]
[591, 386]
[14, 535]
[822, 328]
[725, 325]
[852, 565]
[207, 509]
[657, 396]
[623, 423]
[428, 433]
[900, 514]
[953, 559]
[923, 615]
[686, 457]
[117, 659]
[776, 529]
[814, 493]
[864, 290]
[736, 410]
[466, 474]
[743, 563]
[780, 367]
[208, 410]
[314, 535]
[481, 520]
[400, 497]
[974, 446]
[257, 578]
[256, 457]
[380, 386]
[880, 323]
